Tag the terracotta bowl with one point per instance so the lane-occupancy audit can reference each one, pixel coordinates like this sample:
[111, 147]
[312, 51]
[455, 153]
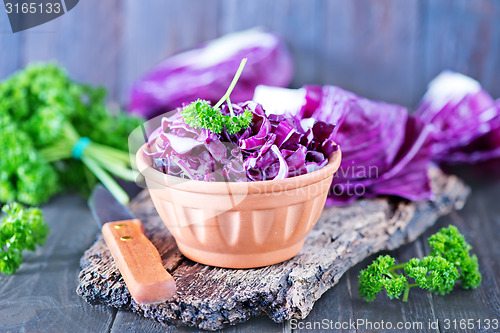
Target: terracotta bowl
[239, 224]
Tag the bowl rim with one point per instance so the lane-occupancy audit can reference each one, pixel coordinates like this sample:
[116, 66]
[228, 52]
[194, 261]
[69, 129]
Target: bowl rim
[262, 186]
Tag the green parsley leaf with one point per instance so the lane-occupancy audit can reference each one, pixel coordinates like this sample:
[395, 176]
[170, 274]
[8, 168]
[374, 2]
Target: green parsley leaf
[450, 244]
[433, 273]
[377, 276]
[200, 113]
[21, 229]
[438, 272]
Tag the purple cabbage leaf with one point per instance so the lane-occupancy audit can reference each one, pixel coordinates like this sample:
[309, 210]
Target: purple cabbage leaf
[465, 117]
[385, 151]
[206, 71]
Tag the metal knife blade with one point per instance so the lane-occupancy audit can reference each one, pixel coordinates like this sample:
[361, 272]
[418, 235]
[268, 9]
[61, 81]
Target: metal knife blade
[135, 256]
[105, 207]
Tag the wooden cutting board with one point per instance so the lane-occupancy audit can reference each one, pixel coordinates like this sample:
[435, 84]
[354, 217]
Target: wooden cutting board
[210, 298]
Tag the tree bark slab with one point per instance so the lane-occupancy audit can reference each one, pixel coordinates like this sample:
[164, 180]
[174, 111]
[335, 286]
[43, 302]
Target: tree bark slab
[211, 298]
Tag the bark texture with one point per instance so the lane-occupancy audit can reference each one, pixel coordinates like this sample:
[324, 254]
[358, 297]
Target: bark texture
[210, 298]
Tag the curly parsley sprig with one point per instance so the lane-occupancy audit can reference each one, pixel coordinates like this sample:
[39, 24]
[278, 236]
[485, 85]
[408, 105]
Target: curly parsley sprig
[448, 262]
[200, 113]
[44, 116]
[21, 229]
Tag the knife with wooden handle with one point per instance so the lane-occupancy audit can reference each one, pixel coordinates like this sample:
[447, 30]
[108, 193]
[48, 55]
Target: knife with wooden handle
[135, 256]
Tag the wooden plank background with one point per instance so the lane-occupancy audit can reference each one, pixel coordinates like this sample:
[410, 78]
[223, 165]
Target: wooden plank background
[381, 49]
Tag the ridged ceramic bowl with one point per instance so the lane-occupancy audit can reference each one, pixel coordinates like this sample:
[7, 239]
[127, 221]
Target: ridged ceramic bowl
[239, 224]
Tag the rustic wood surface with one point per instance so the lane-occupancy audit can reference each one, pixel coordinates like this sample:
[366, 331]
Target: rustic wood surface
[41, 296]
[385, 49]
[211, 298]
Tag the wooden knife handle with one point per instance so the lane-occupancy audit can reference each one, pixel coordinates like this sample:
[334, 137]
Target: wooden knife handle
[138, 261]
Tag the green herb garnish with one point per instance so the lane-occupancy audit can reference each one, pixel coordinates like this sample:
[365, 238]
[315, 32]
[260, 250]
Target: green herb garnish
[21, 229]
[200, 114]
[448, 262]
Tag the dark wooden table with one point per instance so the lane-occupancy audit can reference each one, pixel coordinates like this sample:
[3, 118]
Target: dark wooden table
[41, 296]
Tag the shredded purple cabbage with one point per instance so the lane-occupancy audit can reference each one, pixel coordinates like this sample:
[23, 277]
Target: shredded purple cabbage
[272, 147]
